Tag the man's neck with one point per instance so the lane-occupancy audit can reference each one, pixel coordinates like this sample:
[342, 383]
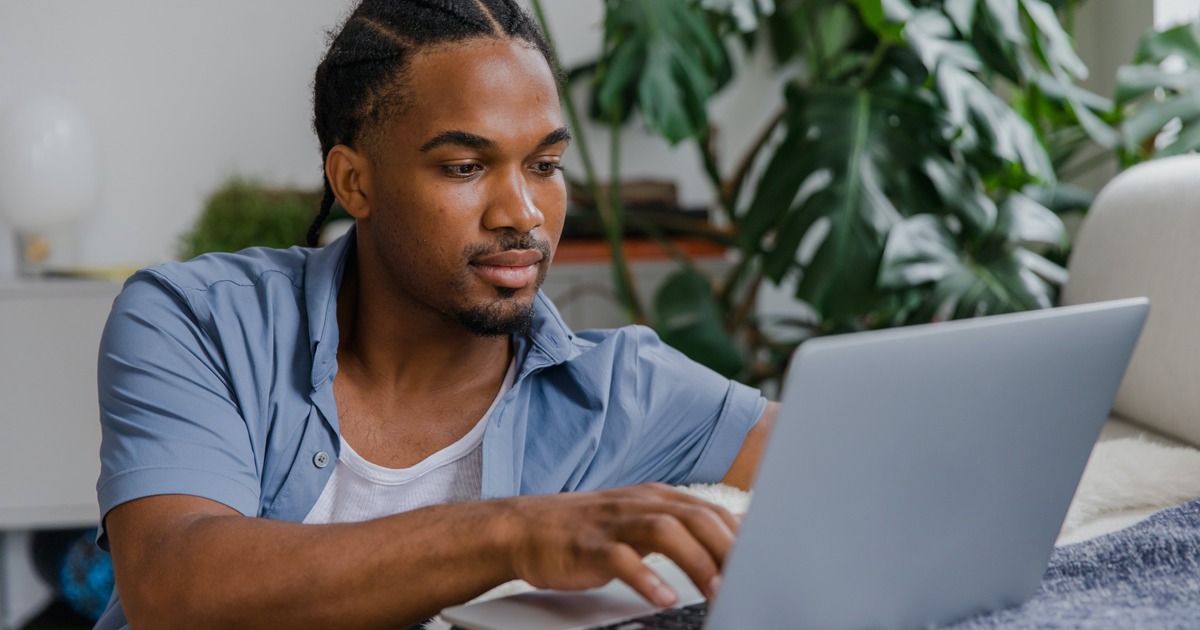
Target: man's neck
[395, 346]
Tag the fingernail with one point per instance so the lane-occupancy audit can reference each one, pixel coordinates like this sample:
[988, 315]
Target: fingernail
[664, 596]
[714, 586]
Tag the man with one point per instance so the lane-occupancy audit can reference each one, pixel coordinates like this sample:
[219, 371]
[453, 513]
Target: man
[363, 434]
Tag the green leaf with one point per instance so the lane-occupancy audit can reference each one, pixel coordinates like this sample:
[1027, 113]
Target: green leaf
[1044, 269]
[837, 27]
[897, 10]
[1062, 198]
[783, 254]
[962, 13]
[1148, 120]
[1024, 220]
[777, 188]
[1007, 14]
[1060, 53]
[919, 250]
[959, 192]
[1188, 141]
[972, 105]
[1156, 93]
[858, 144]
[1182, 40]
[667, 54]
[872, 13]
[745, 15]
[687, 318]
[1134, 82]
[934, 39]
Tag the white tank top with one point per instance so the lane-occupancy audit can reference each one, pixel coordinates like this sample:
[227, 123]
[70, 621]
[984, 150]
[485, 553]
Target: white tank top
[359, 490]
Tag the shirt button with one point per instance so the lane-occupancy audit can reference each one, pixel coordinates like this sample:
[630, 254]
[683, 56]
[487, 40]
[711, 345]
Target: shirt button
[321, 459]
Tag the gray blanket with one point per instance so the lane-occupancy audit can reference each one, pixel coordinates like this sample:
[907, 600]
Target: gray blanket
[1146, 576]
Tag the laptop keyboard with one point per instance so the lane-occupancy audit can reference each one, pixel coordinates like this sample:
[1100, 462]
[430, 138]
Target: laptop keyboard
[684, 618]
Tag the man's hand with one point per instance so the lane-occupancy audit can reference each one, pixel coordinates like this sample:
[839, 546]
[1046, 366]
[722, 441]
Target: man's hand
[182, 561]
[584, 540]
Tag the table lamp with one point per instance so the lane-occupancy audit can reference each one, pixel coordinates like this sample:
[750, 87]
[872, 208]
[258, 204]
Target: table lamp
[48, 175]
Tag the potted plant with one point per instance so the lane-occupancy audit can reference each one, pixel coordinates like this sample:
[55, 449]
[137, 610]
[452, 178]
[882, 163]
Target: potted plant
[911, 176]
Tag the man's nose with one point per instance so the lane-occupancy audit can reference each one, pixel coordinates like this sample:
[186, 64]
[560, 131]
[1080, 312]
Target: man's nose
[512, 206]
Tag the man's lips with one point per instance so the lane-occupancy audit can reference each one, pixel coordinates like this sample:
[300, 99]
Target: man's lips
[513, 269]
[510, 258]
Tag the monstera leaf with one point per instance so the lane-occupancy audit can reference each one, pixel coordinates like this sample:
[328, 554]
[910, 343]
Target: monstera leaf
[996, 274]
[665, 58]
[687, 317]
[824, 205]
[1162, 88]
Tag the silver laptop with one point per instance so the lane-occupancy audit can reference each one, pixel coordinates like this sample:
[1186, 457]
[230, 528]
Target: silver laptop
[915, 477]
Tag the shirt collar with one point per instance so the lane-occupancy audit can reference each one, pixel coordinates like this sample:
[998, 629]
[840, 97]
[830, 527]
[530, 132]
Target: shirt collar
[322, 279]
[548, 341]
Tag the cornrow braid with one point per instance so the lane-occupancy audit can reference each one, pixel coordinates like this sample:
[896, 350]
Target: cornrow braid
[361, 81]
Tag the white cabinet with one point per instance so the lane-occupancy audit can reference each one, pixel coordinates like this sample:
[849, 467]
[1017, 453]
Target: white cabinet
[49, 427]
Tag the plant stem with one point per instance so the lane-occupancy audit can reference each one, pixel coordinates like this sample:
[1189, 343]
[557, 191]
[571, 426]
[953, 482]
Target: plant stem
[1070, 171]
[711, 168]
[610, 210]
[614, 223]
[732, 189]
[579, 135]
[876, 61]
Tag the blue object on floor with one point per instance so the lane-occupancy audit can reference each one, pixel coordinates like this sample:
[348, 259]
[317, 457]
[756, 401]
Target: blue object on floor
[85, 578]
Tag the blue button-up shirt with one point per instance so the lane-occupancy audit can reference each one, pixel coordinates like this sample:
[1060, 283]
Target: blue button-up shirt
[216, 380]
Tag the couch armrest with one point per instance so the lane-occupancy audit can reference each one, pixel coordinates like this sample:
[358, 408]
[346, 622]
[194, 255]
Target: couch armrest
[1140, 239]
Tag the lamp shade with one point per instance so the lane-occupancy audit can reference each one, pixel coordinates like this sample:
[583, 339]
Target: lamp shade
[47, 164]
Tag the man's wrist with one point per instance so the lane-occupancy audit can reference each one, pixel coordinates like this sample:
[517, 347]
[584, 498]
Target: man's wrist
[501, 535]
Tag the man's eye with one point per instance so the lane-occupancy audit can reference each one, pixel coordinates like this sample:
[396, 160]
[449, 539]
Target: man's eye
[548, 169]
[461, 170]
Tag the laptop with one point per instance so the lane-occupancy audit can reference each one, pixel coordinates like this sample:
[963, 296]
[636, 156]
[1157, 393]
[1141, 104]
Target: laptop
[915, 477]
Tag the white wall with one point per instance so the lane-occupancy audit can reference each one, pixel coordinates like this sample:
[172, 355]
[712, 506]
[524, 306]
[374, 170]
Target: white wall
[1168, 13]
[181, 95]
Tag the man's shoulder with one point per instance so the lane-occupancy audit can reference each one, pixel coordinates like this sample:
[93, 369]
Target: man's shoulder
[244, 268]
[551, 333]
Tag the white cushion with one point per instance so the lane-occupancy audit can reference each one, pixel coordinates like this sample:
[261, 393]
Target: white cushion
[1142, 238]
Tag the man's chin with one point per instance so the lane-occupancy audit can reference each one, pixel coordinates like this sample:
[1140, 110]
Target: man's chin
[499, 318]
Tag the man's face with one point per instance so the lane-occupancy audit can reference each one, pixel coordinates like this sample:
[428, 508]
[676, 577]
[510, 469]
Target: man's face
[467, 200]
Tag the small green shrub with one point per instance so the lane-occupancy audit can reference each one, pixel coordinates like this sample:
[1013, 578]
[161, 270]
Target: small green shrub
[244, 213]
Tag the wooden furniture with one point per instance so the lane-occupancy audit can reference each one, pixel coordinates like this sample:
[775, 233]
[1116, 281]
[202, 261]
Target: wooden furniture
[580, 282]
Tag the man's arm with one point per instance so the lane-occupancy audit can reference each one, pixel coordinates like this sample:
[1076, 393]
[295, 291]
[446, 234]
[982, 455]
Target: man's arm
[183, 561]
[745, 465]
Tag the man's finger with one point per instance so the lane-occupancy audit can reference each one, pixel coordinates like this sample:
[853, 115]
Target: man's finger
[627, 565]
[667, 535]
[671, 494]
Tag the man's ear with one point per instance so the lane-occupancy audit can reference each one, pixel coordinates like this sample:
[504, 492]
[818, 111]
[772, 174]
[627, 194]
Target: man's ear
[349, 172]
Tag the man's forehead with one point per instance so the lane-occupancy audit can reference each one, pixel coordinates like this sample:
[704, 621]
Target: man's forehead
[498, 91]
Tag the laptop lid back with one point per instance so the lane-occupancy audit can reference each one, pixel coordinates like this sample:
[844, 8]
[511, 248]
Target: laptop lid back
[920, 475]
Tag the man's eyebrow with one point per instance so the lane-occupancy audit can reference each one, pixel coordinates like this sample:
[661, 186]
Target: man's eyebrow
[562, 134]
[461, 138]
[475, 141]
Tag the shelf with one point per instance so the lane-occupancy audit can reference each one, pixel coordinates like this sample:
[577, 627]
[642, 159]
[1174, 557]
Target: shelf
[596, 250]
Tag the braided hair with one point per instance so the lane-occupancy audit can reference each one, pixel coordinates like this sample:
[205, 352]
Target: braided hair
[360, 82]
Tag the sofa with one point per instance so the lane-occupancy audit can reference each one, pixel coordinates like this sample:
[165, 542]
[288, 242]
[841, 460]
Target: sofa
[1139, 239]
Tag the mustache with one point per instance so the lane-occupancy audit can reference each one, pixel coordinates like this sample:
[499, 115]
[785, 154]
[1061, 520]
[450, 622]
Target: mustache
[507, 242]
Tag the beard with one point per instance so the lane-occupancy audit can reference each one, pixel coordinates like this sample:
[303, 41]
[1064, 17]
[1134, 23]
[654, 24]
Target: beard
[507, 314]
[498, 319]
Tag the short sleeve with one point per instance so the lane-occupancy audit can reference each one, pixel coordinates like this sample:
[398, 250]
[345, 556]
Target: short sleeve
[169, 420]
[694, 420]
